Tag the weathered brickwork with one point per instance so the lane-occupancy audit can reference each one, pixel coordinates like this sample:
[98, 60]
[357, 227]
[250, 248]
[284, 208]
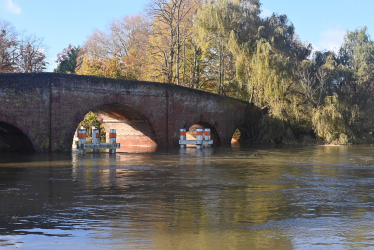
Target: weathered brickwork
[48, 107]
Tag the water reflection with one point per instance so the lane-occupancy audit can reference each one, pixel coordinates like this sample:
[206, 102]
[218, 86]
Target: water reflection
[214, 198]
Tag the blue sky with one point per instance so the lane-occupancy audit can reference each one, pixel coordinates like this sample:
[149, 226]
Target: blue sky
[62, 22]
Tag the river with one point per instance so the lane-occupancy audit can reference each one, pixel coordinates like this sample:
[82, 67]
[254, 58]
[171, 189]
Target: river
[258, 197]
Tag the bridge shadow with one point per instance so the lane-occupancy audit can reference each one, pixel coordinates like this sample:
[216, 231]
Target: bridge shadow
[13, 139]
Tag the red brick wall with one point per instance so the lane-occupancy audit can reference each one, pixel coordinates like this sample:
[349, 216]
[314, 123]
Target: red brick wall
[24, 103]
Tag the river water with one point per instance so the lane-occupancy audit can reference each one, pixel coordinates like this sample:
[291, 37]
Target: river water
[219, 198]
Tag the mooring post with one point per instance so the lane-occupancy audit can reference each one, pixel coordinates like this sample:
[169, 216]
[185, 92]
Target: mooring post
[112, 140]
[207, 136]
[199, 137]
[81, 139]
[95, 138]
[182, 136]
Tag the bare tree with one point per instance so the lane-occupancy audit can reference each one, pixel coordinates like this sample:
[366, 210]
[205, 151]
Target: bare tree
[31, 54]
[130, 34]
[8, 48]
[125, 41]
[20, 52]
[170, 24]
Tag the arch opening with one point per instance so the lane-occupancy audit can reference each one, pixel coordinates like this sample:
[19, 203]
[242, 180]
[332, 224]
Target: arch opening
[236, 137]
[13, 139]
[191, 133]
[90, 120]
[134, 130]
[239, 136]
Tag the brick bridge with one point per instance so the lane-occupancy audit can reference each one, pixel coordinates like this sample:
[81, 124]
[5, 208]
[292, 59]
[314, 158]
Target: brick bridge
[41, 112]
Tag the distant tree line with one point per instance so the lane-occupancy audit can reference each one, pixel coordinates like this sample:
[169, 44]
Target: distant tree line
[227, 47]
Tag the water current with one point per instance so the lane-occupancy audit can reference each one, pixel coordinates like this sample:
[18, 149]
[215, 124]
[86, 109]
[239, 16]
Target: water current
[269, 197]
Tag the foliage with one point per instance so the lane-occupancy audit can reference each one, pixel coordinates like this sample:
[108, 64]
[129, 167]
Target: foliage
[20, 52]
[91, 120]
[110, 68]
[68, 60]
[170, 45]
[227, 47]
[328, 121]
[118, 53]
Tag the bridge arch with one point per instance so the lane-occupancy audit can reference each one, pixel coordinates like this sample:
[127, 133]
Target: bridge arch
[133, 127]
[191, 133]
[13, 139]
[240, 135]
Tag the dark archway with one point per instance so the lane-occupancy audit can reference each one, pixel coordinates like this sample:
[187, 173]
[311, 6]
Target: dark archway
[13, 139]
[191, 132]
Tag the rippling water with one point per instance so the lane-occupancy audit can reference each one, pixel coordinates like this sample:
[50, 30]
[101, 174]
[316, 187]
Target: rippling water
[221, 198]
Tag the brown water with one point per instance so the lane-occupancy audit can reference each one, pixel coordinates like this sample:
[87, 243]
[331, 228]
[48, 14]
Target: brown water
[221, 198]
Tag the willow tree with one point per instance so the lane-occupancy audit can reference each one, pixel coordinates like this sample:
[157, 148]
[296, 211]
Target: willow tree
[217, 22]
[265, 54]
[355, 85]
[344, 80]
[329, 123]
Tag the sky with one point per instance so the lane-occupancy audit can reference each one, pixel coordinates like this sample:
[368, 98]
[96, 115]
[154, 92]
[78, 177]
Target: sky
[62, 22]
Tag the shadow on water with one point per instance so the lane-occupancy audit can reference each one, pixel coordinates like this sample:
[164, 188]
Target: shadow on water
[216, 198]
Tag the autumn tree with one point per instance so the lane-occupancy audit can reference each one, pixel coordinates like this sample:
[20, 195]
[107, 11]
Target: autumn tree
[103, 67]
[32, 54]
[20, 52]
[171, 23]
[119, 52]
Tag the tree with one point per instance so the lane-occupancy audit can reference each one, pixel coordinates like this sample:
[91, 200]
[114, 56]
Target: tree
[67, 60]
[32, 54]
[213, 21]
[8, 48]
[260, 57]
[103, 67]
[90, 120]
[20, 52]
[171, 21]
[354, 82]
[344, 80]
[121, 51]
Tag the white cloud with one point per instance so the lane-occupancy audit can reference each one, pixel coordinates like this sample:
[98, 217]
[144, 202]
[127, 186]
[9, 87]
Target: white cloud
[11, 7]
[332, 38]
